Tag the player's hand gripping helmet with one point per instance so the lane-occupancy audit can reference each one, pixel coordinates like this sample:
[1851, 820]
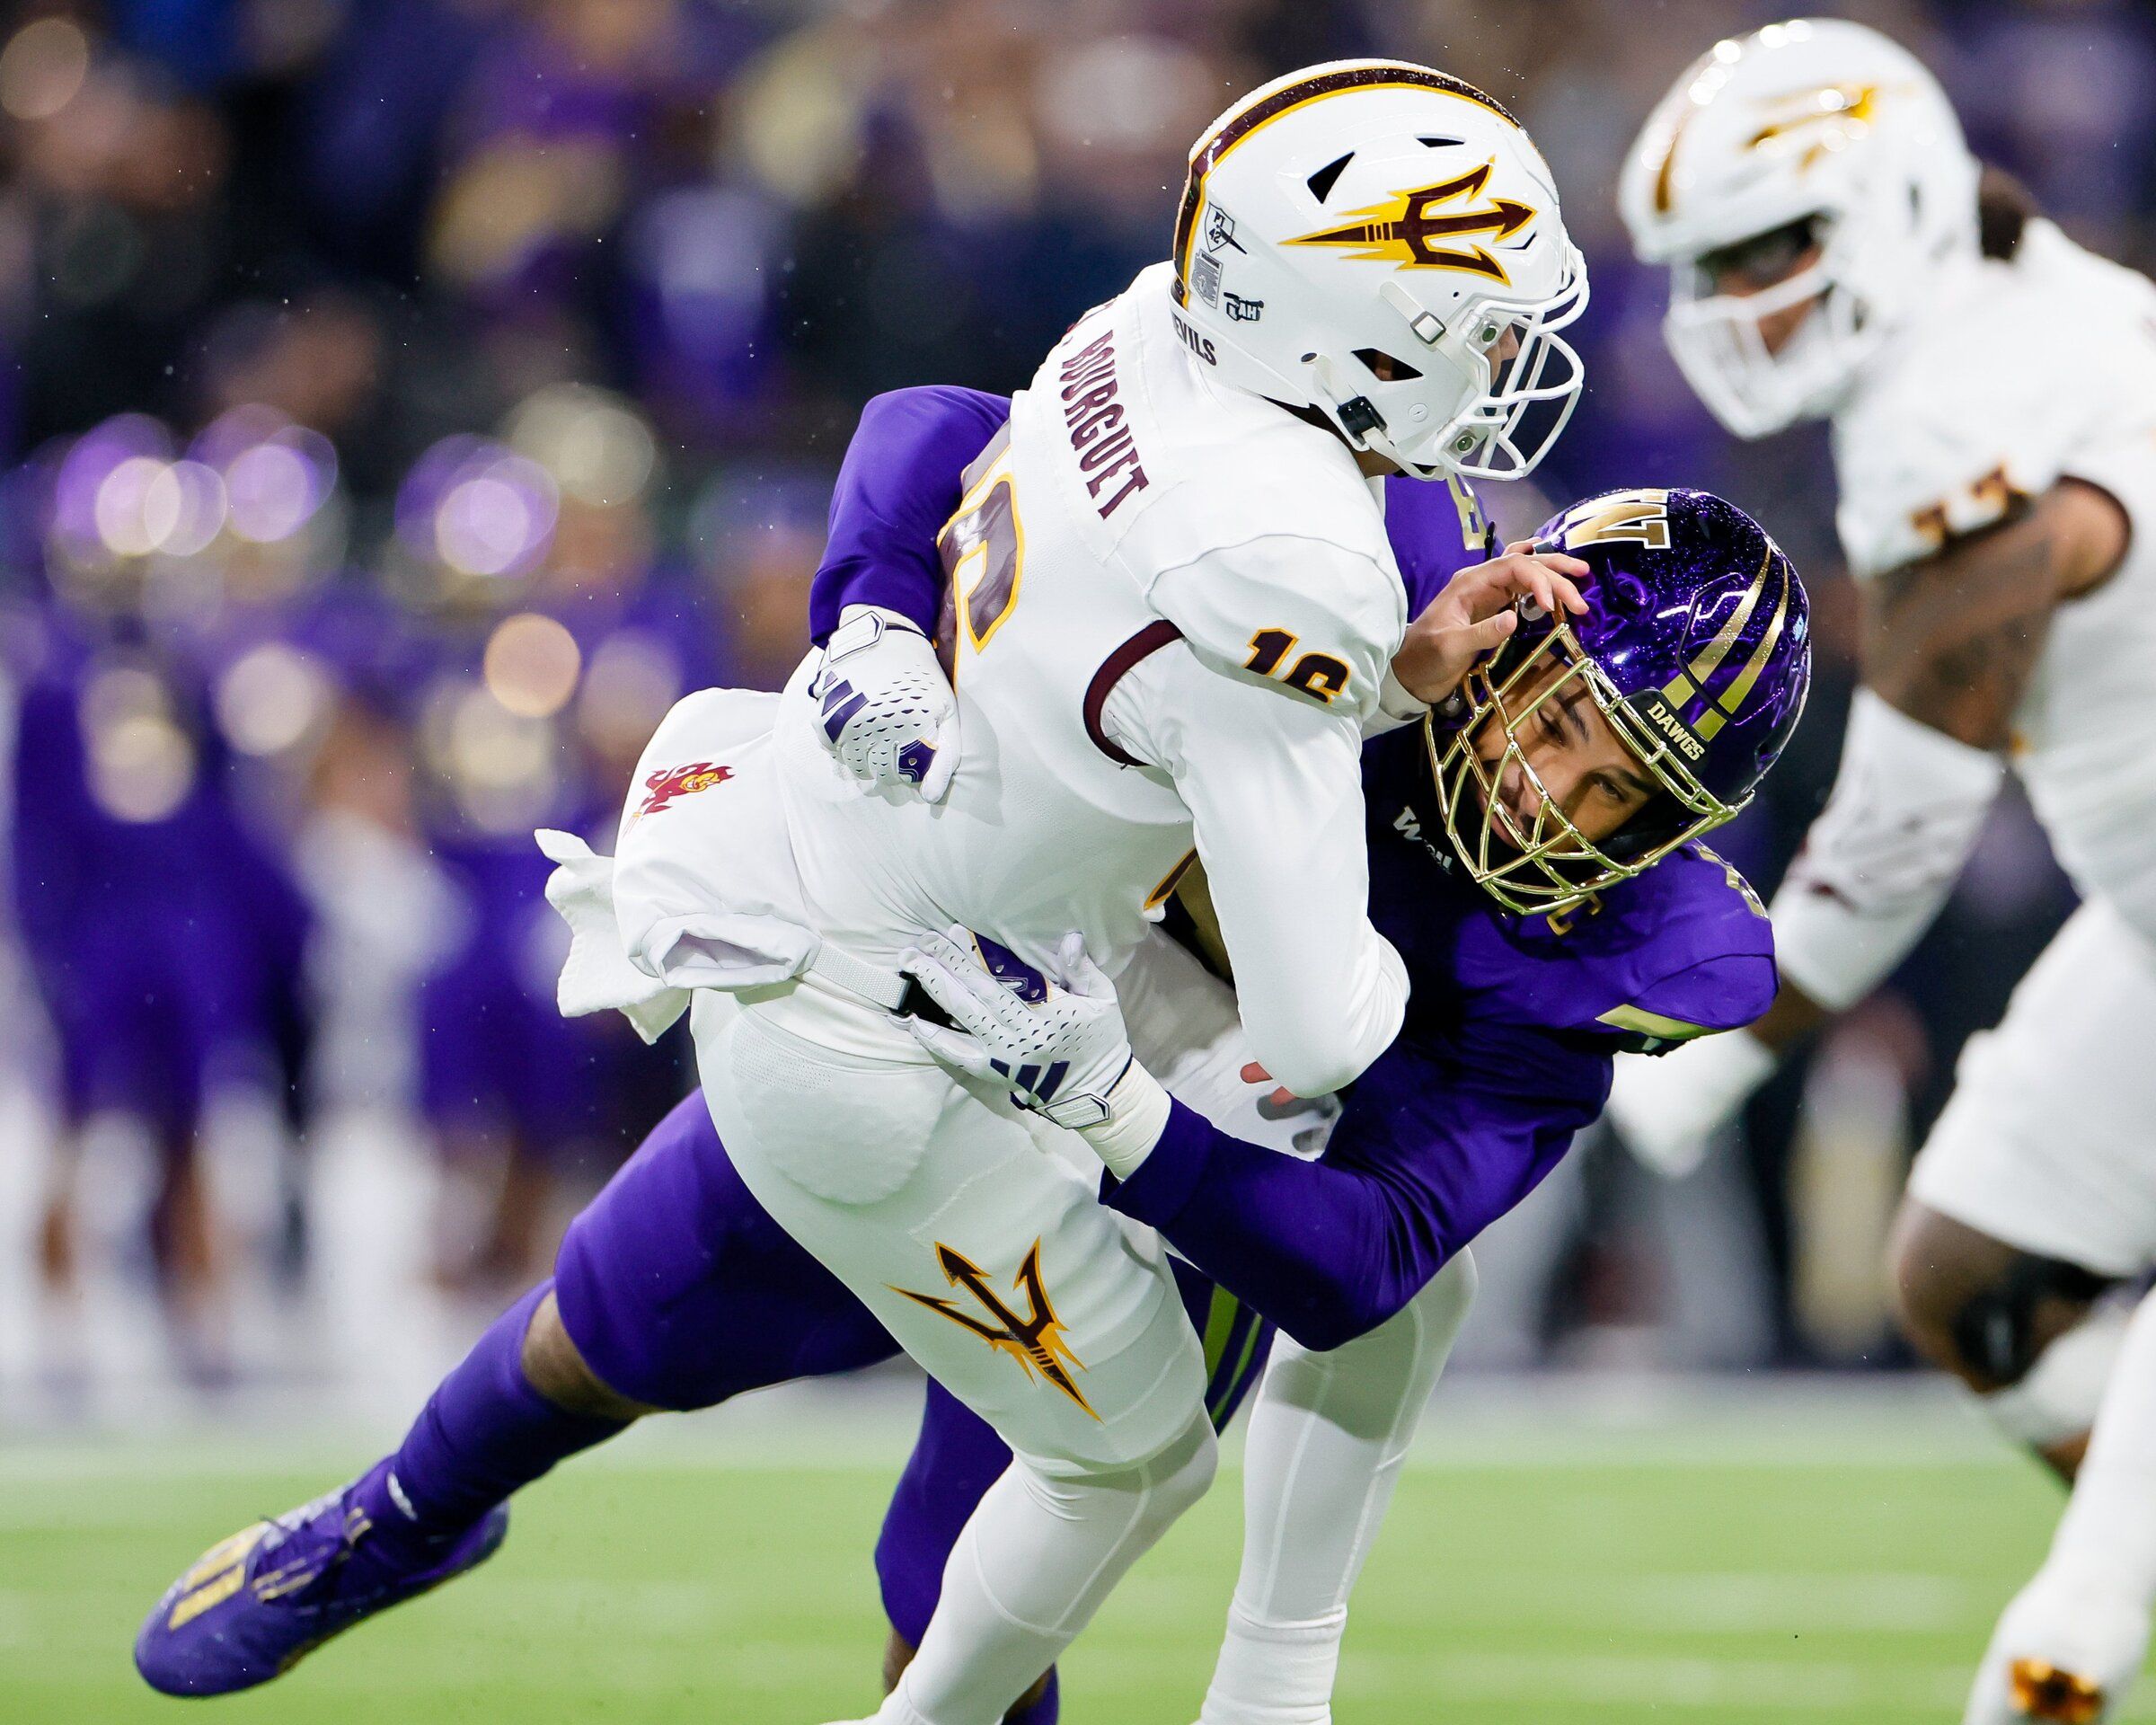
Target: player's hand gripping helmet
[1826, 133]
[1696, 649]
[1382, 243]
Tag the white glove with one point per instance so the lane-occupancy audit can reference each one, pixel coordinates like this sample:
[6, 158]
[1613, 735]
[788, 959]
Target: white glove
[1067, 1058]
[887, 710]
[1668, 1107]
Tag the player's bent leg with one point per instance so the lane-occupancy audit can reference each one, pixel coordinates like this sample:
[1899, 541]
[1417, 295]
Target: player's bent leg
[998, 1271]
[2023, 1331]
[2073, 1639]
[2033, 1192]
[673, 1289]
[957, 1456]
[1329, 1433]
[1031, 1566]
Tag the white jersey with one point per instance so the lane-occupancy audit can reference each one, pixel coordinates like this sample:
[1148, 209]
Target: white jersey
[1175, 607]
[2023, 373]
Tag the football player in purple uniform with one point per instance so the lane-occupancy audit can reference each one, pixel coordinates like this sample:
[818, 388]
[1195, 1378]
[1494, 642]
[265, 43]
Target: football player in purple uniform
[1534, 856]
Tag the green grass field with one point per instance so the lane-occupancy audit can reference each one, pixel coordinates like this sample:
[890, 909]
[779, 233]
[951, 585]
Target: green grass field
[1816, 1579]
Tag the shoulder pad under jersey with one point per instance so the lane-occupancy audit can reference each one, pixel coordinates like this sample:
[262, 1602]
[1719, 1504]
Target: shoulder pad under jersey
[1436, 530]
[1968, 415]
[1682, 950]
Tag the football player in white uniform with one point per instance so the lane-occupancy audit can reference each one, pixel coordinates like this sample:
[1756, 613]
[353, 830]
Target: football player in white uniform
[1176, 611]
[1992, 389]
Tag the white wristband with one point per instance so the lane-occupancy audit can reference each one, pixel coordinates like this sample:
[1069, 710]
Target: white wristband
[1880, 860]
[1395, 707]
[1137, 1114]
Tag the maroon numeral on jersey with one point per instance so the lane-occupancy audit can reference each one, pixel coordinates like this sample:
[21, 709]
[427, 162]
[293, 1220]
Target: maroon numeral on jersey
[1318, 675]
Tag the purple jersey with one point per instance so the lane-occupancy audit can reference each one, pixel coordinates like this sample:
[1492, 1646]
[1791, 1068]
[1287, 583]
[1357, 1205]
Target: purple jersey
[163, 928]
[497, 1057]
[1506, 1053]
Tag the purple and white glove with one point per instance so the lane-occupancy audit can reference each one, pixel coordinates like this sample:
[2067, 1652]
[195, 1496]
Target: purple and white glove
[1067, 1058]
[888, 711]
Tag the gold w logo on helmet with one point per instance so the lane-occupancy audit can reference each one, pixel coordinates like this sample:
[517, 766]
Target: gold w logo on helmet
[1639, 517]
[1409, 230]
[1035, 1340]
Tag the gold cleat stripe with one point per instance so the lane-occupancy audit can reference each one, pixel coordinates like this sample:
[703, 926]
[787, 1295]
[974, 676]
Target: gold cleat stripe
[223, 1553]
[215, 1593]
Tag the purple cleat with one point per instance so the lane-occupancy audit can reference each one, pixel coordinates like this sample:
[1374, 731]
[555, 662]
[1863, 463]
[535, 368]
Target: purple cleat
[253, 1605]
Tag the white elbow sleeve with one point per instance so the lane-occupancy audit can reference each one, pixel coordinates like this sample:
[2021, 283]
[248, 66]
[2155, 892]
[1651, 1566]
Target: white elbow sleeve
[1314, 1057]
[1881, 858]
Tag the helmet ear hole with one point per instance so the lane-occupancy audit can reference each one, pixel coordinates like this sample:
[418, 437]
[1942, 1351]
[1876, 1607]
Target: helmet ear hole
[1387, 368]
[1322, 181]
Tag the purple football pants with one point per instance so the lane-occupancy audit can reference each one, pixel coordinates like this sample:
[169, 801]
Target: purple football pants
[679, 1291]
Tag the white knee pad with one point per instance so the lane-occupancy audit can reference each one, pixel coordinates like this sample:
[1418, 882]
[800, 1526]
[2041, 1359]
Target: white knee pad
[1366, 1387]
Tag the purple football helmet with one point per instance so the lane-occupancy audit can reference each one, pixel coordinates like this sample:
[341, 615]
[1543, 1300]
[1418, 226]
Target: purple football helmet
[1696, 647]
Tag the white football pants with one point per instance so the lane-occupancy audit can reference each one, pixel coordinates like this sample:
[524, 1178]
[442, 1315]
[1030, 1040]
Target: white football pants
[998, 1271]
[1328, 1434]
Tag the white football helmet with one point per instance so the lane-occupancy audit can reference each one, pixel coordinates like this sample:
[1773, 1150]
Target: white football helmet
[1360, 237]
[1824, 132]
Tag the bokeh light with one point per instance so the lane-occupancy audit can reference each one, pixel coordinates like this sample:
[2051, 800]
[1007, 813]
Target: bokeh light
[594, 445]
[184, 509]
[531, 665]
[42, 68]
[277, 474]
[141, 760]
[478, 508]
[272, 698]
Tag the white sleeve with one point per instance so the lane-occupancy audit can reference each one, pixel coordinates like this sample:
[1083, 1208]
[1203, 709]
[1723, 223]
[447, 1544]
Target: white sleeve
[1975, 420]
[1882, 856]
[1314, 619]
[1275, 791]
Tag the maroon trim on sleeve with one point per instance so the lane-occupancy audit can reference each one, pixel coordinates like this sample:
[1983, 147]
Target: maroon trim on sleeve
[1147, 641]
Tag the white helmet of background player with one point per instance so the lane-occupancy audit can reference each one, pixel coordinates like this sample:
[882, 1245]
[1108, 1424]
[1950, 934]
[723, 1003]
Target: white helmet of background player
[1812, 132]
[1360, 237]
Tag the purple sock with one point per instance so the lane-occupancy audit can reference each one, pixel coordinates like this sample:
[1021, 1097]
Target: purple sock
[484, 1434]
[1043, 1711]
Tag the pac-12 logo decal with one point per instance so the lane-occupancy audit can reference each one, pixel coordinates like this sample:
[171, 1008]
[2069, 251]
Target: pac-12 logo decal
[1034, 1339]
[670, 783]
[1407, 231]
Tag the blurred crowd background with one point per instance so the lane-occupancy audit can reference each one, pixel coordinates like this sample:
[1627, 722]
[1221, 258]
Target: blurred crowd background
[403, 401]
